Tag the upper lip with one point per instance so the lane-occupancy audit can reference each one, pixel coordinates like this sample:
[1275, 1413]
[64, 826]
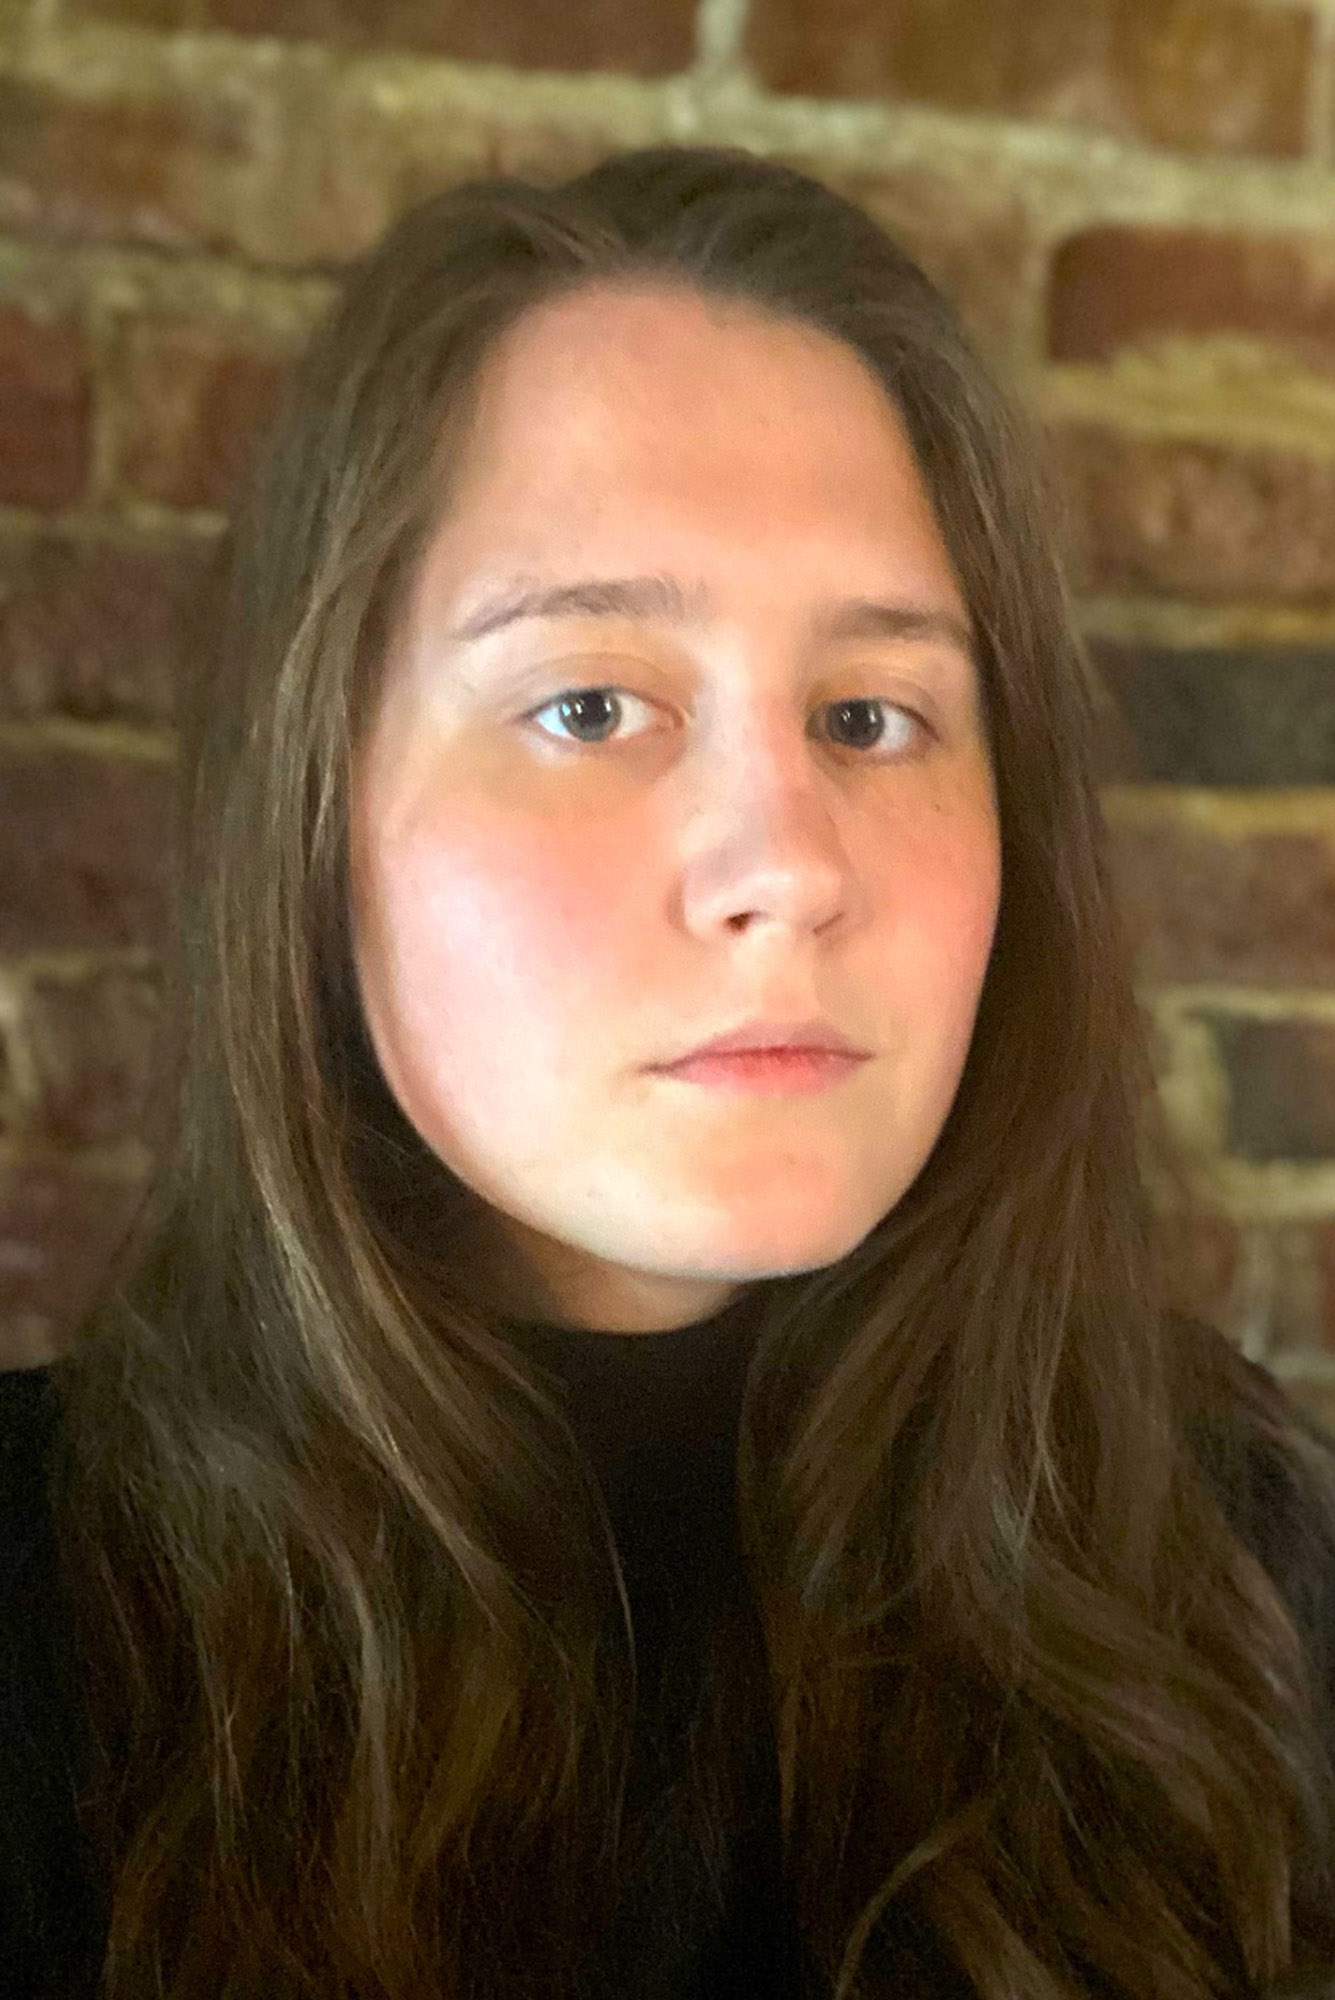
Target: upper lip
[755, 1035]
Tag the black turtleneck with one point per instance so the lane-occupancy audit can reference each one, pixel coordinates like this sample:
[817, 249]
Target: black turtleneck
[656, 1416]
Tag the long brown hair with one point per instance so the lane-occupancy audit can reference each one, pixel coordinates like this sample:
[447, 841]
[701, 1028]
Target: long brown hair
[340, 1576]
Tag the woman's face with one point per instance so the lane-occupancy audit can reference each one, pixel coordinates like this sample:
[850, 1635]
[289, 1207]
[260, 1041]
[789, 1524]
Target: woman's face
[551, 898]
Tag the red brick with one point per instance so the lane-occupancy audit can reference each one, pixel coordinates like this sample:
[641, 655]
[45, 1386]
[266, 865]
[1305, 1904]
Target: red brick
[1198, 75]
[1252, 909]
[133, 168]
[98, 630]
[44, 411]
[94, 1042]
[59, 1230]
[194, 401]
[1199, 520]
[973, 238]
[650, 38]
[1116, 288]
[84, 851]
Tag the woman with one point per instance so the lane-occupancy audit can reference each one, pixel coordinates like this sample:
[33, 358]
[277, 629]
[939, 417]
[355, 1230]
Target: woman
[645, 626]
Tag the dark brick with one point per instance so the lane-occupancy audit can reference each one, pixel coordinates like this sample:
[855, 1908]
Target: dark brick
[1115, 288]
[84, 850]
[195, 400]
[95, 1044]
[1197, 75]
[44, 411]
[1255, 910]
[1198, 520]
[1281, 1086]
[137, 168]
[1205, 717]
[651, 38]
[98, 630]
[59, 1231]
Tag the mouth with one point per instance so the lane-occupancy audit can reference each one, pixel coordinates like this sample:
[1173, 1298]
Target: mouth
[766, 1072]
[764, 1038]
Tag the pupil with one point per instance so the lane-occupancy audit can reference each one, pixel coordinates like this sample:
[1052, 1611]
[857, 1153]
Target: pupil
[590, 697]
[869, 734]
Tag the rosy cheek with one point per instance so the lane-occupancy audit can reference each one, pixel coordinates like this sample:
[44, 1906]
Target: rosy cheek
[514, 924]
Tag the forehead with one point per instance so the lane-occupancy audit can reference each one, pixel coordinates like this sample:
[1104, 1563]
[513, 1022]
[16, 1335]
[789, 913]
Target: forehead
[619, 415]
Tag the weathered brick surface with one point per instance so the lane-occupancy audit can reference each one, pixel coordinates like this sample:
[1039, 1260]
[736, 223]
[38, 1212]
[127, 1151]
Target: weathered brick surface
[45, 402]
[651, 38]
[59, 1231]
[1264, 716]
[974, 238]
[1281, 1086]
[382, 160]
[136, 168]
[138, 13]
[98, 630]
[193, 402]
[1114, 288]
[1199, 520]
[94, 1043]
[1200, 75]
[1272, 1280]
[1256, 910]
[84, 850]
[1288, 1287]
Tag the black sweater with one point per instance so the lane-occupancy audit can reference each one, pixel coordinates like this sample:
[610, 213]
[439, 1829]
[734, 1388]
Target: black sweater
[656, 1415]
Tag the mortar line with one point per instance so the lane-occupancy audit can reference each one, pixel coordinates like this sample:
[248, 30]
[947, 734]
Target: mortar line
[720, 33]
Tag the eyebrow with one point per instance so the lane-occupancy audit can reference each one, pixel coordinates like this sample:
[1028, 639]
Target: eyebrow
[666, 600]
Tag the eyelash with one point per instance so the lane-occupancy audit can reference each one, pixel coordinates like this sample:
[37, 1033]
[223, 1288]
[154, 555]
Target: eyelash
[576, 693]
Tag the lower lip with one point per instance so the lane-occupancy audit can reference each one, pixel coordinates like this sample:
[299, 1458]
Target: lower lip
[769, 1072]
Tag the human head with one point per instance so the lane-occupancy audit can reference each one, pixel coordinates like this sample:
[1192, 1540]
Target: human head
[539, 917]
[361, 492]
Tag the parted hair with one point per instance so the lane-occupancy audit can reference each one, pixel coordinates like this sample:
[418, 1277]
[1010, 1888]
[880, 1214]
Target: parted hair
[357, 1659]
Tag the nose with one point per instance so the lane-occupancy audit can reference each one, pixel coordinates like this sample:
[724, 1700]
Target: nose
[765, 845]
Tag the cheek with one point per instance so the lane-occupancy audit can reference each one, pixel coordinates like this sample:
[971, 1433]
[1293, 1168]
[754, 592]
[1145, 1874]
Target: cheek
[942, 907]
[493, 942]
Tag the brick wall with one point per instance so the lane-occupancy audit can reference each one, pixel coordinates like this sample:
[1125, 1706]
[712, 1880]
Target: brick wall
[1133, 202]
